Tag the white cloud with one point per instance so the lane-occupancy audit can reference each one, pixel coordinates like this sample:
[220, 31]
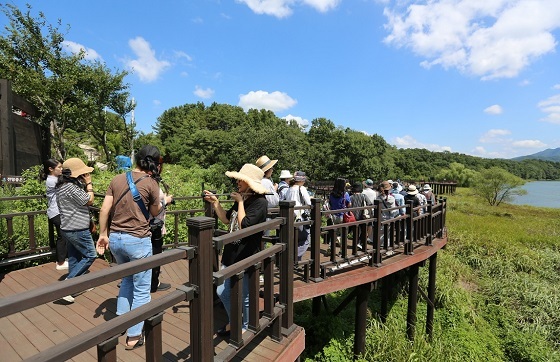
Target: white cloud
[275, 101]
[180, 54]
[489, 39]
[302, 122]
[409, 142]
[494, 109]
[551, 106]
[75, 48]
[156, 102]
[529, 144]
[283, 8]
[147, 66]
[203, 93]
[494, 136]
[556, 86]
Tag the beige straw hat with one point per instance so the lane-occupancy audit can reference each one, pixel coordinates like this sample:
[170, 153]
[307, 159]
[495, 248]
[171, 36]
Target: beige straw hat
[265, 163]
[250, 174]
[77, 166]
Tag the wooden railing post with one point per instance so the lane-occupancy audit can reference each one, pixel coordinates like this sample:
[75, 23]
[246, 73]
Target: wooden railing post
[201, 278]
[430, 231]
[153, 332]
[376, 237]
[410, 233]
[107, 351]
[287, 266]
[316, 240]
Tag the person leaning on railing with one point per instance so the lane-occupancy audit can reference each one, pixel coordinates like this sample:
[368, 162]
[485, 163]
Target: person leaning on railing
[249, 208]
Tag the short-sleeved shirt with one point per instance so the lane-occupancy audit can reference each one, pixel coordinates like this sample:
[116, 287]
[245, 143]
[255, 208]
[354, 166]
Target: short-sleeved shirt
[272, 199]
[256, 208]
[52, 206]
[127, 216]
[72, 203]
[337, 203]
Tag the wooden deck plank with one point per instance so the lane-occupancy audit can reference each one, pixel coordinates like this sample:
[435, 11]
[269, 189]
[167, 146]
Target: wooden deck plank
[17, 340]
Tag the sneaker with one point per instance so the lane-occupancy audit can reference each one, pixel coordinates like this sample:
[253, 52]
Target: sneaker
[161, 287]
[63, 266]
[68, 299]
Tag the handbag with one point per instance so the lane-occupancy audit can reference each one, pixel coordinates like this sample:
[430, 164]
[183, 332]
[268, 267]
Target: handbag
[366, 212]
[348, 216]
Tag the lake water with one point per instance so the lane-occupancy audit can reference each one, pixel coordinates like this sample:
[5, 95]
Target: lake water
[540, 193]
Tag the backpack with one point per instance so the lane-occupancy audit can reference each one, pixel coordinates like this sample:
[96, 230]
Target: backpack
[366, 214]
[280, 188]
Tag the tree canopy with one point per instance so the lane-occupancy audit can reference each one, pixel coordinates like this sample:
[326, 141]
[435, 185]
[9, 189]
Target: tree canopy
[69, 91]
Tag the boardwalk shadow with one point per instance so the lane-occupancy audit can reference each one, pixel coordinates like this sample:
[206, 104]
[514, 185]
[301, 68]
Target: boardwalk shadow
[106, 309]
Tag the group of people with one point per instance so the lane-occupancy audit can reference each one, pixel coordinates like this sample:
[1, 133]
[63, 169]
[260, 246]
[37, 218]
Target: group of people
[391, 194]
[130, 225]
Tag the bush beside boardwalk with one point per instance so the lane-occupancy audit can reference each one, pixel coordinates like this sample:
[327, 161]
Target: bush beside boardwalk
[498, 294]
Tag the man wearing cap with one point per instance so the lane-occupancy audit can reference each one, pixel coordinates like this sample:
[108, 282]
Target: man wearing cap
[267, 166]
[369, 191]
[285, 177]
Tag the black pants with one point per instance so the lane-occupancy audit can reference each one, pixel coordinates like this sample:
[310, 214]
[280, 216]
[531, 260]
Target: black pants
[157, 248]
[61, 250]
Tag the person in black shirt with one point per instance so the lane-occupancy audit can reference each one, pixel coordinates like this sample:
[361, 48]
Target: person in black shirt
[250, 208]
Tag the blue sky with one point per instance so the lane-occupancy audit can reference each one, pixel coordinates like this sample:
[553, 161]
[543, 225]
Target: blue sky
[480, 77]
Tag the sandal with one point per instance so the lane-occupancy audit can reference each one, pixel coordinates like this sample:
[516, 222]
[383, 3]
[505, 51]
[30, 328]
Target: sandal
[223, 332]
[138, 343]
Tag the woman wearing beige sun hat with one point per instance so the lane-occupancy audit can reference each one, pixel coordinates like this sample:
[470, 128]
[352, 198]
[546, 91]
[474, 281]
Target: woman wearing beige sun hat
[74, 195]
[267, 166]
[250, 208]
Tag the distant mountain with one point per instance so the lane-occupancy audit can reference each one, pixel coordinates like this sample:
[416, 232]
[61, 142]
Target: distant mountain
[551, 154]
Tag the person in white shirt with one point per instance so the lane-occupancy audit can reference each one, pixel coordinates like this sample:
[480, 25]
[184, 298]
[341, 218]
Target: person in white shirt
[370, 193]
[298, 193]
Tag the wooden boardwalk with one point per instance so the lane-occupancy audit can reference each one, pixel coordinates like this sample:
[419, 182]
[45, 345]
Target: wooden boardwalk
[26, 333]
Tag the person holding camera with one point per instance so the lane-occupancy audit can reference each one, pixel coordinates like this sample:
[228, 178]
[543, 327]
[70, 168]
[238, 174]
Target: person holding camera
[130, 233]
[74, 195]
[298, 193]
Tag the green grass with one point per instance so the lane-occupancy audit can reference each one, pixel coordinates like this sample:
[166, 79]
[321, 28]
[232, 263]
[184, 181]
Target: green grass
[497, 295]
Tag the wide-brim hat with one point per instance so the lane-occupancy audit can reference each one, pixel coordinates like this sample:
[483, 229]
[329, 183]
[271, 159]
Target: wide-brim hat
[385, 185]
[285, 174]
[265, 163]
[299, 176]
[427, 187]
[76, 166]
[411, 190]
[250, 174]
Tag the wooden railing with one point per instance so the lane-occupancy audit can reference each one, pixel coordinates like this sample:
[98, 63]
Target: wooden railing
[203, 244]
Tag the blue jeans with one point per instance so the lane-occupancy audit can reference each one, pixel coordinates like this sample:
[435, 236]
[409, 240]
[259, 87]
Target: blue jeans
[135, 289]
[81, 251]
[224, 292]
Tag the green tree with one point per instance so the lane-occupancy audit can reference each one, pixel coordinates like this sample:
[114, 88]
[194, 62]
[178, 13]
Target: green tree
[457, 172]
[66, 89]
[496, 185]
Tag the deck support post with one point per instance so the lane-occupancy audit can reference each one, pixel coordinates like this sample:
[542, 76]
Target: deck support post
[412, 301]
[360, 323]
[386, 292]
[316, 240]
[201, 277]
[431, 295]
